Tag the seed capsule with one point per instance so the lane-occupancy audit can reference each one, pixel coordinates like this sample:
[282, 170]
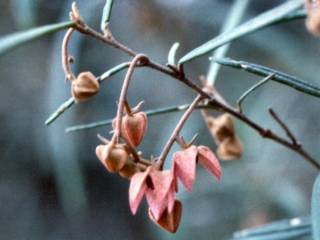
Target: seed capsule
[85, 86]
[112, 157]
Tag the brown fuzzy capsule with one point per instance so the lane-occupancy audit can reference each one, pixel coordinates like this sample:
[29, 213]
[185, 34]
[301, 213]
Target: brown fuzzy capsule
[169, 220]
[112, 157]
[84, 86]
[313, 16]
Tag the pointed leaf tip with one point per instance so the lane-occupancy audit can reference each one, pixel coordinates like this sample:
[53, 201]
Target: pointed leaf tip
[184, 166]
[208, 159]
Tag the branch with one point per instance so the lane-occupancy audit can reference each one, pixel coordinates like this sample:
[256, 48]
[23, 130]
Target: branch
[212, 100]
[284, 127]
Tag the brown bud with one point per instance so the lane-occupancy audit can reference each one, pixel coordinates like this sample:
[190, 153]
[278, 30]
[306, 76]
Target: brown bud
[129, 169]
[313, 16]
[230, 149]
[112, 157]
[85, 86]
[169, 220]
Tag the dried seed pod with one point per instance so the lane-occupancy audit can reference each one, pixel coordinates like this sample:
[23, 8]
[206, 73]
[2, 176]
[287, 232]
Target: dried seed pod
[230, 149]
[85, 86]
[112, 157]
[129, 169]
[313, 18]
[133, 127]
[169, 220]
[221, 127]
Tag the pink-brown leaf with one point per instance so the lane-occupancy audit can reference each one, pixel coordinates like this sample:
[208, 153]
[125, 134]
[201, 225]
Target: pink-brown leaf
[137, 189]
[184, 164]
[208, 159]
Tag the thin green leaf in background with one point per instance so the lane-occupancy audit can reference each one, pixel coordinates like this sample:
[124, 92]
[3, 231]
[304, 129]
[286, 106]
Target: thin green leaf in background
[172, 53]
[278, 76]
[265, 19]
[106, 14]
[14, 40]
[315, 209]
[235, 15]
[278, 230]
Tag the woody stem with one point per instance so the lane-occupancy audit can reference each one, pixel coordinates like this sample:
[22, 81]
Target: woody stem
[176, 131]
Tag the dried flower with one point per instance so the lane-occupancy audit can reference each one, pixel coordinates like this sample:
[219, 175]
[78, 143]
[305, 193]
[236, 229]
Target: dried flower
[84, 86]
[313, 16]
[184, 164]
[223, 131]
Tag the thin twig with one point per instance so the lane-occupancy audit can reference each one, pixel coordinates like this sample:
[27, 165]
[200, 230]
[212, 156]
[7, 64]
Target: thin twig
[284, 127]
[250, 90]
[65, 56]
[176, 131]
[123, 94]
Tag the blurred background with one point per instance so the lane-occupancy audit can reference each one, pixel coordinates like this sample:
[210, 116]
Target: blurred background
[53, 187]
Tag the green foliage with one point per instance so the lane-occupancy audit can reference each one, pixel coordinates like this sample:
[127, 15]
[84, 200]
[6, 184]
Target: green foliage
[16, 39]
[266, 19]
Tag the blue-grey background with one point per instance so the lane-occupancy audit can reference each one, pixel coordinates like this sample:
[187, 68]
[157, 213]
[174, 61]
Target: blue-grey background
[53, 187]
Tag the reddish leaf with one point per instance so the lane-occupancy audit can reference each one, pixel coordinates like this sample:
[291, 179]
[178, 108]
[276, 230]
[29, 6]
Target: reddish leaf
[185, 166]
[157, 197]
[208, 159]
[169, 221]
[137, 189]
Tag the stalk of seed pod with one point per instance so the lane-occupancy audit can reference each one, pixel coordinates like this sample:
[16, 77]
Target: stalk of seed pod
[84, 86]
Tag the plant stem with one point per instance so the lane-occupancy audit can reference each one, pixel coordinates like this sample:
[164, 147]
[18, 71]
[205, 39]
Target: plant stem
[250, 90]
[65, 56]
[123, 93]
[176, 131]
